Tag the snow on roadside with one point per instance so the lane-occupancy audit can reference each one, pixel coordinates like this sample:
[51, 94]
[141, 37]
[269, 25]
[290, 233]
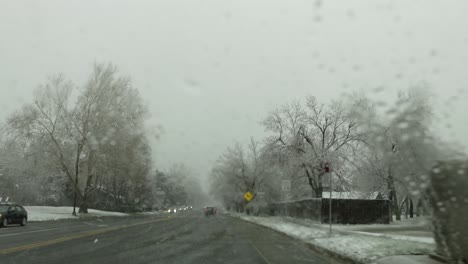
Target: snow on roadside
[422, 221]
[278, 224]
[150, 213]
[358, 246]
[368, 248]
[105, 213]
[415, 221]
[46, 213]
[428, 240]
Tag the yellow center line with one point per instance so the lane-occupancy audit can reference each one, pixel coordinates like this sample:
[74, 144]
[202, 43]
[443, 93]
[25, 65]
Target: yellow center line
[260, 253]
[74, 236]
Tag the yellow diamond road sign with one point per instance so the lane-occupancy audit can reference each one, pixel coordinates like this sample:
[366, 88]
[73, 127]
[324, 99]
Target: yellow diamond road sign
[248, 196]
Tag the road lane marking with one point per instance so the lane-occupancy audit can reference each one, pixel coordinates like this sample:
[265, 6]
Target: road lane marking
[75, 236]
[40, 230]
[260, 253]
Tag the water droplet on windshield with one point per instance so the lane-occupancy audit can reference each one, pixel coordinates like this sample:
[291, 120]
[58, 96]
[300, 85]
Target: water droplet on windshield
[191, 82]
[378, 89]
[405, 137]
[403, 125]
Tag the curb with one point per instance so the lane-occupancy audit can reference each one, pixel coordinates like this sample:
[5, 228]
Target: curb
[333, 254]
[438, 258]
[312, 246]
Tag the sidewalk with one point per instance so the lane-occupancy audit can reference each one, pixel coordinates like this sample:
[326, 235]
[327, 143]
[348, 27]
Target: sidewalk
[416, 231]
[353, 245]
[424, 259]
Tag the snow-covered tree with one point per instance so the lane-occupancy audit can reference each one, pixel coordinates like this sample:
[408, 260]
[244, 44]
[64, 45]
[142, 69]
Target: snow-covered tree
[313, 134]
[400, 148]
[239, 171]
[92, 132]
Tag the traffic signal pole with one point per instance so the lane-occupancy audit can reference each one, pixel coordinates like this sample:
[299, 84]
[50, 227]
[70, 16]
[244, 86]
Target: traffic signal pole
[327, 170]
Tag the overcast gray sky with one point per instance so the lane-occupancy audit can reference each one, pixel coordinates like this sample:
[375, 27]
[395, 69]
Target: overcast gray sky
[210, 70]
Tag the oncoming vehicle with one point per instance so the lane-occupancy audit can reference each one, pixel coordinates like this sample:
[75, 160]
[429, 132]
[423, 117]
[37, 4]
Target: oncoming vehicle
[209, 211]
[11, 213]
[172, 210]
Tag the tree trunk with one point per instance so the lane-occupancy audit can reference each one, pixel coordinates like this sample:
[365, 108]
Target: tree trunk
[320, 185]
[77, 170]
[393, 195]
[91, 169]
[83, 206]
[316, 191]
[406, 208]
[411, 208]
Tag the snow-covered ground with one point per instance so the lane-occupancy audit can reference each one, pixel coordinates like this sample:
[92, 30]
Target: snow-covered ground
[360, 246]
[416, 229]
[45, 213]
[150, 213]
[416, 221]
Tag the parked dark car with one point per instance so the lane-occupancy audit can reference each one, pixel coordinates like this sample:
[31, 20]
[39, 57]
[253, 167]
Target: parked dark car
[209, 211]
[11, 213]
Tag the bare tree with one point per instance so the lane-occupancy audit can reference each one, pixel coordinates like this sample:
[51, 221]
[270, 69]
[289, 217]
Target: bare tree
[83, 130]
[399, 148]
[48, 119]
[312, 135]
[239, 171]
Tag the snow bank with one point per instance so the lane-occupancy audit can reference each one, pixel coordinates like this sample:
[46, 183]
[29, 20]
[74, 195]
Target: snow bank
[369, 248]
[105, 213]
[428, 240]
[415, 221]
[150, 213]
[284, 226]
[358, 246]
[46, 213]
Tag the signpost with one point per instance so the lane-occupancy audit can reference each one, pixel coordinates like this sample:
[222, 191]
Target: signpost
[326, 169]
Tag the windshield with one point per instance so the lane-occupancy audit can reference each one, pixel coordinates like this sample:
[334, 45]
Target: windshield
[217, 131]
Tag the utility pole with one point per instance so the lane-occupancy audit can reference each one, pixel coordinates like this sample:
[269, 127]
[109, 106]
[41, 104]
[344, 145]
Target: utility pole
[286, 188]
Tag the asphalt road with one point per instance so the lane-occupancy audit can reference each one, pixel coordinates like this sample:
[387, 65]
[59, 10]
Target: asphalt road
[188, 237]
